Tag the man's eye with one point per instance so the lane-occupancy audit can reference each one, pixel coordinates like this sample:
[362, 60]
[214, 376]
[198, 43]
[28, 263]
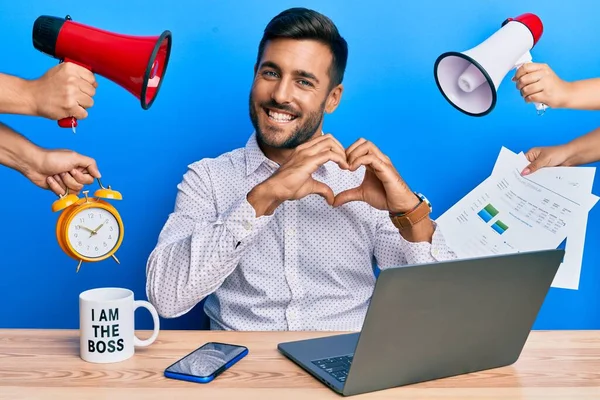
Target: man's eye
[270, 74]
[304, 82]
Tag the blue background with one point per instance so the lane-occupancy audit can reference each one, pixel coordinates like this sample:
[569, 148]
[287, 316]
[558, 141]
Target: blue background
[390, 98]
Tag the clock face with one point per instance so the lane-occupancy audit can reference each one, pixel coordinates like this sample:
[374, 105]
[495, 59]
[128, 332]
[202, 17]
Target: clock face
[93, 232]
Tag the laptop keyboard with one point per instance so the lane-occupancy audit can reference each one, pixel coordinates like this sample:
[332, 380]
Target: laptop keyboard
[337, 367]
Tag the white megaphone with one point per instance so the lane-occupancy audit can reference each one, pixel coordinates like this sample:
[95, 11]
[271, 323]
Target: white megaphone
[470, 80]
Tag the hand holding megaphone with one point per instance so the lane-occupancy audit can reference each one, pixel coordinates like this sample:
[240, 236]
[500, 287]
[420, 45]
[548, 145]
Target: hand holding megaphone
[539, 84]
[527, 59]
[136, 63]
[65, 89]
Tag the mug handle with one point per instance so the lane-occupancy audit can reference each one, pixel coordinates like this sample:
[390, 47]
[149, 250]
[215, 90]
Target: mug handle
[137, 341]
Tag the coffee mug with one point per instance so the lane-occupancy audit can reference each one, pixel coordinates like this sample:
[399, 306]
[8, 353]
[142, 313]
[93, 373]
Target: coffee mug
[106, 325]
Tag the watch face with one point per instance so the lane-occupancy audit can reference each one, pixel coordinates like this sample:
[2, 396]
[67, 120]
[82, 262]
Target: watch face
[93, 232]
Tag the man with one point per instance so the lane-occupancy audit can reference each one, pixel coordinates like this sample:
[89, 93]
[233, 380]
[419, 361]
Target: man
[63, 91]
[539, 83]
[247, 230]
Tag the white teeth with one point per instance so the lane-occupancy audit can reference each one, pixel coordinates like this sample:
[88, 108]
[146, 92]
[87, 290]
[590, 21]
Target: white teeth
[280, 117]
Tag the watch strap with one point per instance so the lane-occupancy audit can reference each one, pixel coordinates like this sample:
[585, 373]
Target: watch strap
[412, 217]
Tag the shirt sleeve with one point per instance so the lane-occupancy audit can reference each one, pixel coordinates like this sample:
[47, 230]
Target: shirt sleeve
[198, 248]
[392, 250]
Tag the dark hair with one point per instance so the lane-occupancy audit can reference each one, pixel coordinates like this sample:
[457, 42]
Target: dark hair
[302, 23]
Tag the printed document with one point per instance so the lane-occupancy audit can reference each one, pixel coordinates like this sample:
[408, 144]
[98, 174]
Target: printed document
[509, 213]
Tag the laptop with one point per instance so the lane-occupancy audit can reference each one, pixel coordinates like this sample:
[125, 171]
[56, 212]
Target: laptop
[430, 321]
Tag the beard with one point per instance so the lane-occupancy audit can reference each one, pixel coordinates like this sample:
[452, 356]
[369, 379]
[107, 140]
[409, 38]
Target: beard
[301, 134]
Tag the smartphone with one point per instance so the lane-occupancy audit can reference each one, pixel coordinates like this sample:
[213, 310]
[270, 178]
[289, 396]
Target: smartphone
[206, 362]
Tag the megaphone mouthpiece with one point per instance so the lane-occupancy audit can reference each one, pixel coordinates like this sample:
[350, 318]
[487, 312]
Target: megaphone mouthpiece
[471, 79]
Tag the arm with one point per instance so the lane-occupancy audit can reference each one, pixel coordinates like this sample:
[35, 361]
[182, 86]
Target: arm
[582, 150]
[63, 91]
[16, 151]
[16, 96]
[199, 247]
[48, 169]
[393, 250]
[583, 94]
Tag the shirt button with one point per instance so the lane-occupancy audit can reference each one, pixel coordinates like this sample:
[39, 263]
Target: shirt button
[291, 232]
[247, 225]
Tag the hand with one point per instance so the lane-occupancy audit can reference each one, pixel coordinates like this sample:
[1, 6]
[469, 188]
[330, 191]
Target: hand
[58, 169]
[293, 180]
[63, 91]
[95, 231]
[538, 83]
[551, 156]
[382, 186]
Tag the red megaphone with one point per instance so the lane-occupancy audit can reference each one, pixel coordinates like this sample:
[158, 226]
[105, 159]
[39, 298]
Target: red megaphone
[137, 63]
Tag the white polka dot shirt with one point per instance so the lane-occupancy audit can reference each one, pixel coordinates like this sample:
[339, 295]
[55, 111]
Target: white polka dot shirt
[308, 266]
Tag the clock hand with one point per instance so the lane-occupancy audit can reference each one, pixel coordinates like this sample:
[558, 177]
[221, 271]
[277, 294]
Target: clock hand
[86, 228]
[95, 231]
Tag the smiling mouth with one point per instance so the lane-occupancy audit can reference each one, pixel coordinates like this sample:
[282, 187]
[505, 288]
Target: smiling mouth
[279, 116]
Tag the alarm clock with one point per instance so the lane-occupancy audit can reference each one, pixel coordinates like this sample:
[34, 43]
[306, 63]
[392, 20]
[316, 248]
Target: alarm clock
[89, 229]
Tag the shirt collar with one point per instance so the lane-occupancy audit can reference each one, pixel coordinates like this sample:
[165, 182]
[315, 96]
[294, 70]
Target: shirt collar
[254, 155]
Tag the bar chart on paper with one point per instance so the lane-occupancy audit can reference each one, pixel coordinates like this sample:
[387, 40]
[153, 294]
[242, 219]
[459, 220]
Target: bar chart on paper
[499, 227]
[488, 212]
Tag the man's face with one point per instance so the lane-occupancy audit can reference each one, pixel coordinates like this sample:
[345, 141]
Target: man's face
[291, 92]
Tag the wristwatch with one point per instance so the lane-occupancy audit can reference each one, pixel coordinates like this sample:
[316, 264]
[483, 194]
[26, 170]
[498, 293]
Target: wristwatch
[410, 218]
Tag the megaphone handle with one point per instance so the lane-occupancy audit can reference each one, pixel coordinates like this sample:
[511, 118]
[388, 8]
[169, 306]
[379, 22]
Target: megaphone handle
[71, 122]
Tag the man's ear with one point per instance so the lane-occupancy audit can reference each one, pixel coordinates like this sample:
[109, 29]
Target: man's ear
[334, 98]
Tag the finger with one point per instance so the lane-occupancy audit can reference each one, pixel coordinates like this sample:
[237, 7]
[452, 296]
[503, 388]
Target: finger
[87, 75]
[70, 182]
[84, 100]
[326, 155]
[87, 88]
[535, 98]
[81, 177]
[363, 149]
[55, 187]
[532, 154]
[79, 113]
[532, 89]
[337, 141]
[354, 194]
[323, 190]
[60, 183]
[526, 69]
[328, 145]
[355, 145]
[370, 160]
[532, 167]
[323, 141]
[536, 163]
[87, 163]
[529, 79]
